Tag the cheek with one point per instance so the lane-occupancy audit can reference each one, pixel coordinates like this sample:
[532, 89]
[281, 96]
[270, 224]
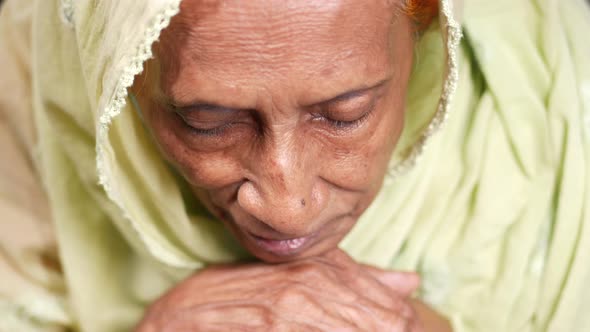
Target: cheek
[362, 164]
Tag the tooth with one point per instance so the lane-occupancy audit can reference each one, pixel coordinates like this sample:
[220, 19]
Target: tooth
[294, 243]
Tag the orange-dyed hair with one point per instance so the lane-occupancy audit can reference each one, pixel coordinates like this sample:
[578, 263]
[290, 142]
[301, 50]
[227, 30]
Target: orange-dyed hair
[422, 12]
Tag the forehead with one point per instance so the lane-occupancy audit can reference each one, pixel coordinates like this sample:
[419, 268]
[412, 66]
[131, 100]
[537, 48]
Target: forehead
[277, 40]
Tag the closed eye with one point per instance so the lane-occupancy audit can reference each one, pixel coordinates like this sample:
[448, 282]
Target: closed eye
[209, 120]
[347, 112]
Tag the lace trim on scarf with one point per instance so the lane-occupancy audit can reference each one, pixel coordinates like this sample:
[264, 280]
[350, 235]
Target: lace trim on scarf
[113, 108]
[453, 39]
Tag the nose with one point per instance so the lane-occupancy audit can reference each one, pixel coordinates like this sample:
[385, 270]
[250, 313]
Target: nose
[285, 191]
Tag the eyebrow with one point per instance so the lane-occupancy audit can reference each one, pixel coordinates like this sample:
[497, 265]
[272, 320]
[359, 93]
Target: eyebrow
[351, 93]
[196, 103]
[209, 106]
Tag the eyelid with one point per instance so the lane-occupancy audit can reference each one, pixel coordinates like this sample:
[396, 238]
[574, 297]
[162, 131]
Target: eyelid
[214, 121]
[343, 127]
[351, 96]
[376, 88]
[350, 109]
[207, 113]
[356, 98]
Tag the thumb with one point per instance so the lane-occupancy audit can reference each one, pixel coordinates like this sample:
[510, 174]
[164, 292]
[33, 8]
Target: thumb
[404, 283]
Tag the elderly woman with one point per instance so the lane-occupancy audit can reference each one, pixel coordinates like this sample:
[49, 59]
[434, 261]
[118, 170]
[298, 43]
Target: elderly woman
[200, 165]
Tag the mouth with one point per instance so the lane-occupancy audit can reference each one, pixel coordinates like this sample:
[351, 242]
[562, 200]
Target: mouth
[281, 248]
[273, 247]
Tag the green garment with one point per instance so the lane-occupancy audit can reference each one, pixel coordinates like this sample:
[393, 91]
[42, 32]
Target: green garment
[487, 199]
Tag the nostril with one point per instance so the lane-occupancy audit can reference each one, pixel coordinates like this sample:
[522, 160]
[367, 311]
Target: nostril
[281, 212]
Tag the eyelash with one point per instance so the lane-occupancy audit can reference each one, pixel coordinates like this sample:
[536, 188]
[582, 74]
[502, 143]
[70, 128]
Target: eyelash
[345, 125]
[213, 132]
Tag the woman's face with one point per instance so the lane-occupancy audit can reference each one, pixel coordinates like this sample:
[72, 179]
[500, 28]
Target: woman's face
[281, 114]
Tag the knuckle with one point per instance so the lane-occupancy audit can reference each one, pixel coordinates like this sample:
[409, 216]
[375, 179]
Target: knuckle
[398, 324]
[304, 270]
[261, 316]
[293, 294]
[309, 273]
[390, 320]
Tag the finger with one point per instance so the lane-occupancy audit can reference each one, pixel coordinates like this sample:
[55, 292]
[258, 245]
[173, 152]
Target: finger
[404, 283]
[337, 257]
[399, 319]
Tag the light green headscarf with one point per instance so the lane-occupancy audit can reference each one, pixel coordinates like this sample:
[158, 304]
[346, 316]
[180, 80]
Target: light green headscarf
[490, 206]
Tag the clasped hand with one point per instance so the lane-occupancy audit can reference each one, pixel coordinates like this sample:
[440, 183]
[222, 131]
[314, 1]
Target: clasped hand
[327, 293]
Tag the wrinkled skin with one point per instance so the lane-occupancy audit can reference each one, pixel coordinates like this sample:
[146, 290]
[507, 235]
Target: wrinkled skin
[252, 101]
[282, 115]
[343, 296]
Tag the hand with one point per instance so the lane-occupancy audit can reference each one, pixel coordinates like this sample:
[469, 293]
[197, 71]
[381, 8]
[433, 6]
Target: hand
[328, 293]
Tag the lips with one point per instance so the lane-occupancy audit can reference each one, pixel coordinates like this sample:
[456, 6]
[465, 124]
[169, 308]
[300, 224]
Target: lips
[270, 245]
[287, 247]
